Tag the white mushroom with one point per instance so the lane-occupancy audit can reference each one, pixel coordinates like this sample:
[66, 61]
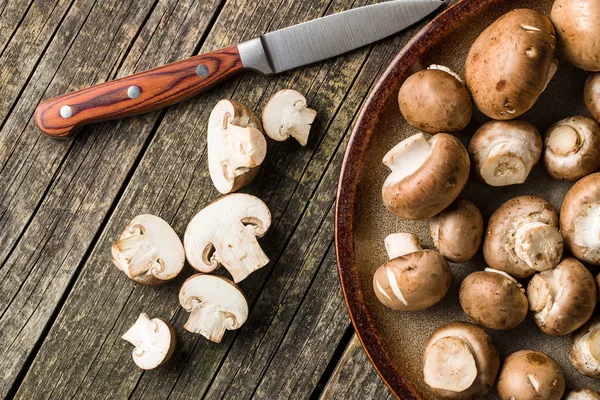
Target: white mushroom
[236, 146]
[215, 304]
[154, 341]
[225, 232]
[286, 114]
[149, 251]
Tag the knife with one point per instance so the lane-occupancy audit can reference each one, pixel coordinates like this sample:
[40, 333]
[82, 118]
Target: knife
[271, 53]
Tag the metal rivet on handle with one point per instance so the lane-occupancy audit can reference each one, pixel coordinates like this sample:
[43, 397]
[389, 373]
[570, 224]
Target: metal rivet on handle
[133, 92]
[202, 71]
[66, 112]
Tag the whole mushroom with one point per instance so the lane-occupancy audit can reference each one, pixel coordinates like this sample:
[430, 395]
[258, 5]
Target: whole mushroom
[572, 148]
[530, 375]
[576, 23]
[427, 175]
[585, 348]
[413, 279]
[504, 152]
[154, 341]
[510, 63]
[591, 95]
[563, 298]
[435, 100]
[583, 394]
[522, 237]
[493, 299]
[457, 231]
[286, 114]
[460, 361]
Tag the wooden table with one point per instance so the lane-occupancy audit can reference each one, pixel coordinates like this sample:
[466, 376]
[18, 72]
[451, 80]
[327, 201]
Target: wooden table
[64, 305]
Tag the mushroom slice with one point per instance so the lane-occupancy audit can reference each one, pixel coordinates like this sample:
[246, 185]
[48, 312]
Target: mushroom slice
[585, 348]
[413, 279]
[563, 298]
[572, 148]
[225, 232]
[583, 394]
[154, 341]
[427, 175]
[215, 304]
[522, 237]
[149, 251]
[236, 146]
[286, 114]
[504, 152]
[591, 95]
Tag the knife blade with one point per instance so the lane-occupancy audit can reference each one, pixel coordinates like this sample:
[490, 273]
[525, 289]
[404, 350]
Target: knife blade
[274, 52]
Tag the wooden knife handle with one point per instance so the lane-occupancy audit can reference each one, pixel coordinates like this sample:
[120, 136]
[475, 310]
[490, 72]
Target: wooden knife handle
[60, 116]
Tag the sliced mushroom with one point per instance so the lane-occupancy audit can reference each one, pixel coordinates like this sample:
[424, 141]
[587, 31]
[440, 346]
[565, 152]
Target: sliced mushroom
[522, 237]
[286, 114]
[580, 219]
[504, 152]
[576, 23]
[493, 299]
[215, 304]
[530, 375]
[149, 251]
[427, 175]
[435, 100]
[510, 63]
[457, 231]
[413, 279]
[154, 340]
[236, 146]
[563, 298]
[224, 233]
[583, 394]
[460, 361]
[585, 348]
[591, 95]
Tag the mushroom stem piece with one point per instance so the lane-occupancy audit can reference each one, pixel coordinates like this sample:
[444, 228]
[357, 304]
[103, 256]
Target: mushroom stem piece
[583, 394]
[399, 244]
[591, 95]
[286, 114]
[585, 348]
[154, 341]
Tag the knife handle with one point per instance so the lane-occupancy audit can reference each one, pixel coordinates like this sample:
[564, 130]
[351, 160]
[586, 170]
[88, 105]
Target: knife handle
[60, 116]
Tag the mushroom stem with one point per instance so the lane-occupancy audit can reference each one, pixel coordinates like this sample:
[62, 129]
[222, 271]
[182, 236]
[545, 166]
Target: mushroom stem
[594, 344]
[399, 244]
[406, 157]
[540, 293]
[207, 320]
[539, 245]
[565, 140]
[586, 230]
[507, 163]
[137, 254]
[450, 365]
[140, 331]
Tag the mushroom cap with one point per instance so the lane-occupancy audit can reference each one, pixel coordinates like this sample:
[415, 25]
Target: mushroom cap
[286, 114]
[591, 95]
[149, 251]
[434, 100]
[457, 231]
[236, 145]
[493, 299]
[529, 374]
[504, 152]
[413, 281]
[585, 348]
[510, 63]
[580, 219]
[563, 298]
[154, 341]
[578, 31]
[522, 231]
[480, 349]
[427, 175]
[225, 232]
[572, 148]
[583, 394]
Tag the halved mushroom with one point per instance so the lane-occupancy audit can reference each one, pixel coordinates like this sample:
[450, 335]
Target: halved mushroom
[457, 231]
[224, 233]
[504, 152]
[435, 100]
[427, 175]
[286, 114]
[530, 375]
[580, 219]
[583, 394]
[154, 340]
[591, 95]
[510, 63]
[576, 23]
[215, 304]
[585, 348]
[413, 279]
[236, 146]
[493, 299]
[572, 148]
[460, 361]
[563, 298]
[149, 251]
[522, 237]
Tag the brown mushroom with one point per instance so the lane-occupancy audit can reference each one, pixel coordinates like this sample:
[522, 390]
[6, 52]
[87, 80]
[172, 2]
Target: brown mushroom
[585, 348]
[583, 394]
[591, 95]
[427, 175]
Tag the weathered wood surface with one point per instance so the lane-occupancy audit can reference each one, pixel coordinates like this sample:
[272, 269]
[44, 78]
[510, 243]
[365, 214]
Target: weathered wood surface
[63, 305]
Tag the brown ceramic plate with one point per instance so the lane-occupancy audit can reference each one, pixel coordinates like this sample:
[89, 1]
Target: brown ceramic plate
[394, 340]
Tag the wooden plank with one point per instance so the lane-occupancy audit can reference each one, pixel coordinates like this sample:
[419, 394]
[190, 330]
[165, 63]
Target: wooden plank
[11, 15]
